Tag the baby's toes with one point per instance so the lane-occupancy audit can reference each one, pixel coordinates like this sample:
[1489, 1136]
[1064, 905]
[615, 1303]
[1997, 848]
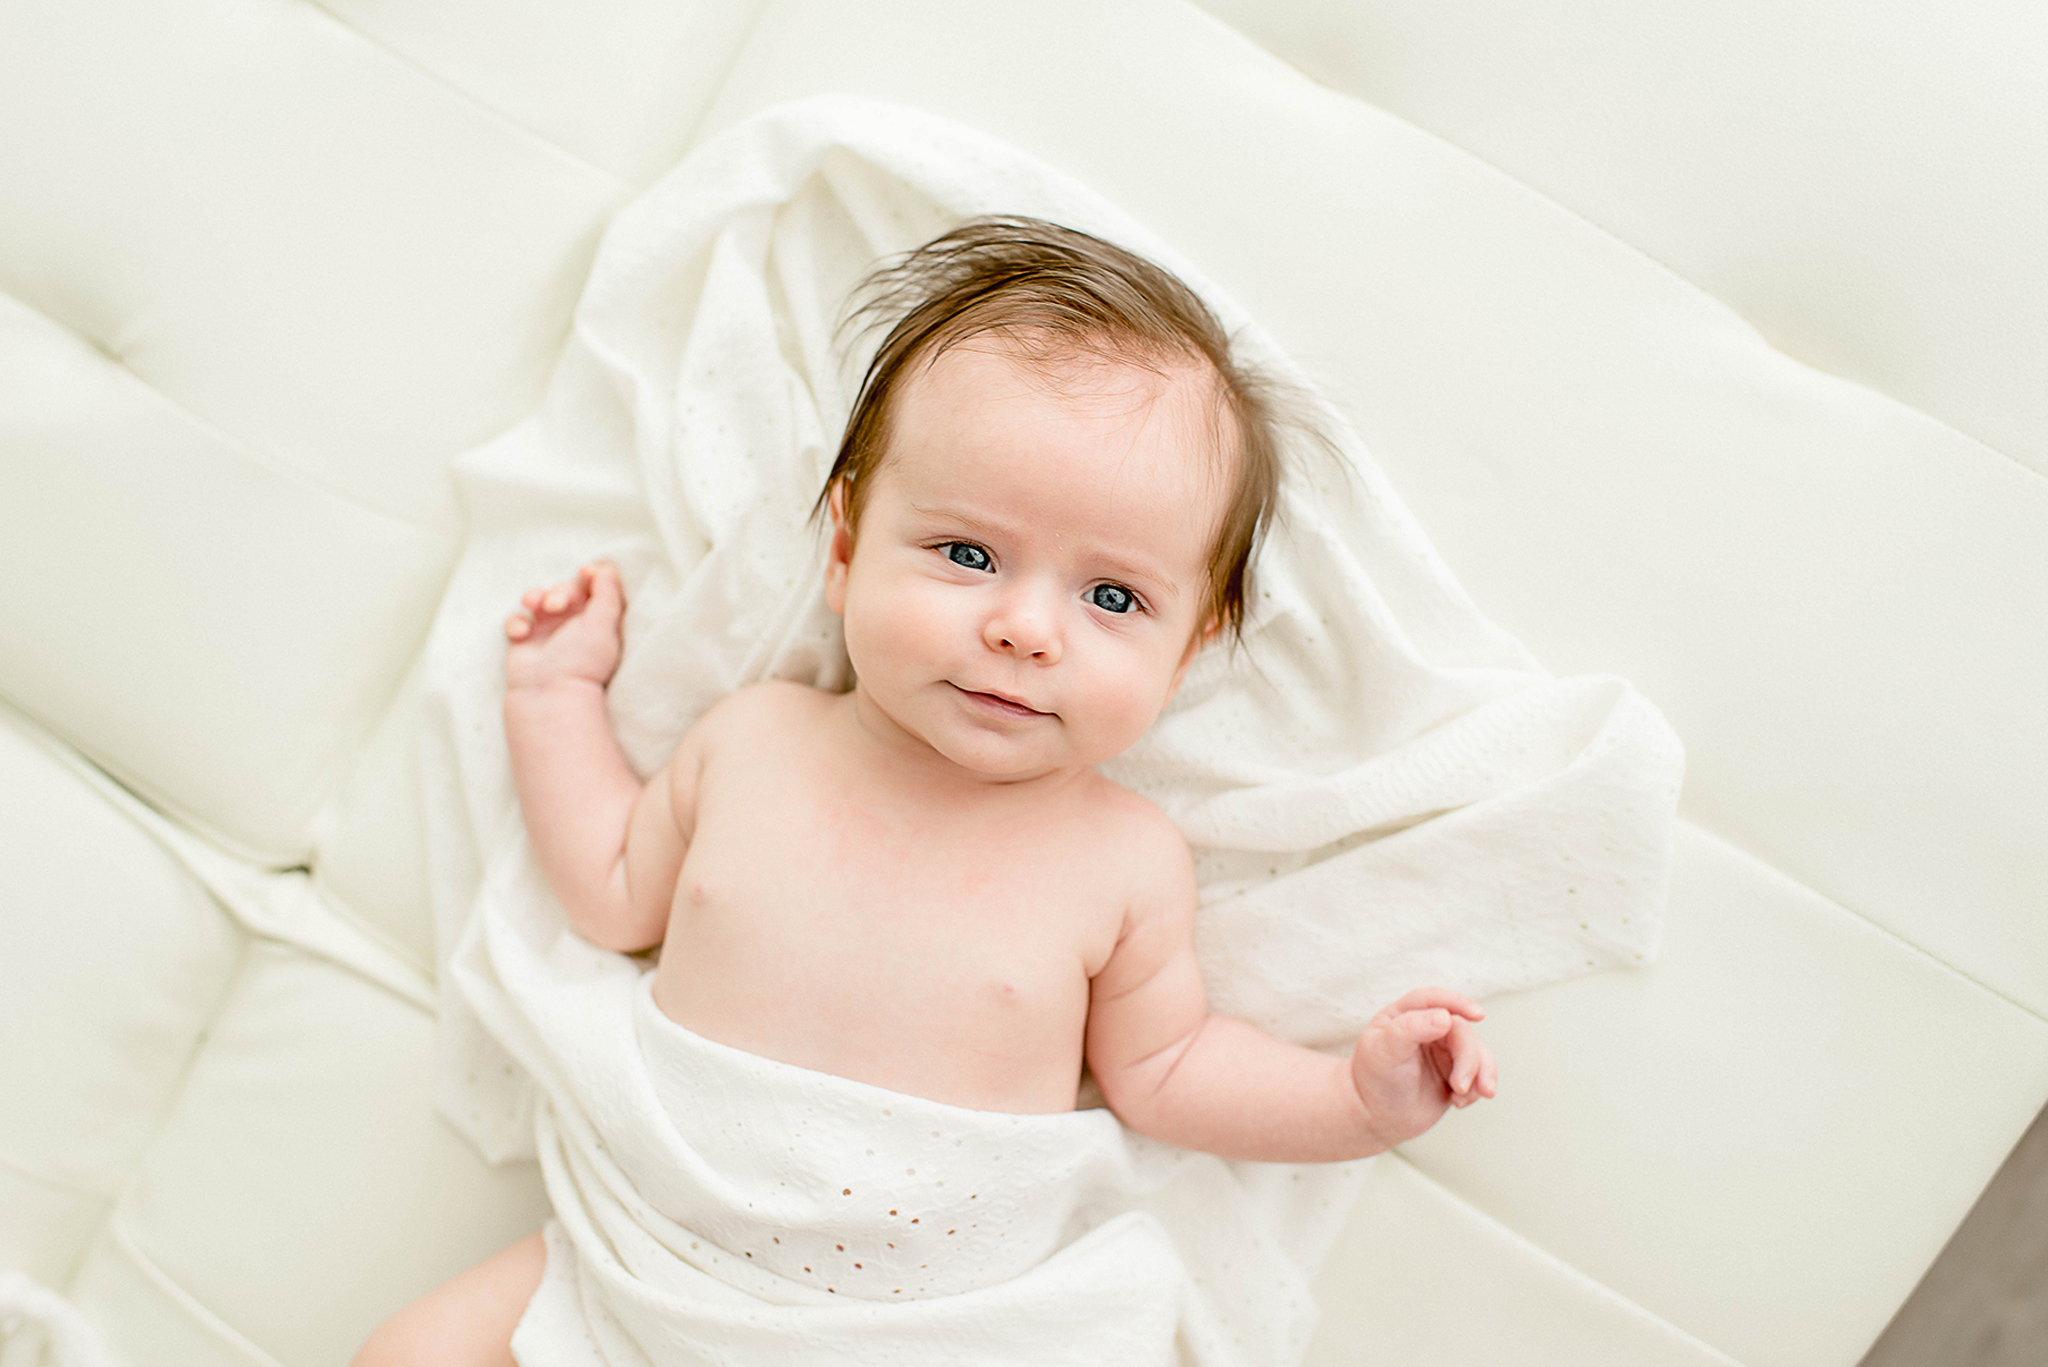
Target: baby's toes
[518, 626]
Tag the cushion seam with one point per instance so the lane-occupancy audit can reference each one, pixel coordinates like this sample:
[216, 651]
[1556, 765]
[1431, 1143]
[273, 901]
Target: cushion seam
[238, 446]
[195, 1309]
[474, 102]
[1575, 1274]
[1780, 874]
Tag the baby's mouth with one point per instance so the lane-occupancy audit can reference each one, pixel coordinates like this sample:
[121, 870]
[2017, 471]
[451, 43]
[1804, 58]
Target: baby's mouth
[1003, 703]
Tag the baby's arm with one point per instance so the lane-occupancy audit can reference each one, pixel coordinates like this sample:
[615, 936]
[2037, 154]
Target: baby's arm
[611, 846]
[1171, 1070]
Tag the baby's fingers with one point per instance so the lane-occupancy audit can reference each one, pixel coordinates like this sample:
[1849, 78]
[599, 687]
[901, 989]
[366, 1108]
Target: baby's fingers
[1395, 1040]
[601, 582]
[568, 597]
[565, 599]
[1423, 998]
[1386, 1050]
[1469, 1072]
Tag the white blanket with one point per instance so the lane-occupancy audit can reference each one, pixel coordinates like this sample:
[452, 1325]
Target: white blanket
[39, 1328]
[1383, 790]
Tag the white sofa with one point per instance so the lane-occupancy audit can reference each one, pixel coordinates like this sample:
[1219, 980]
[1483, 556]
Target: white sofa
[264, 270]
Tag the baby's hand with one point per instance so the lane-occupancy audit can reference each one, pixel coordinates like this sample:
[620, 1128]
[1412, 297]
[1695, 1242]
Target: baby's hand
[1418, 1057]
[567, 632]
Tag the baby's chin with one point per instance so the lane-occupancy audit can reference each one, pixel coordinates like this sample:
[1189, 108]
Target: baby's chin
[996, 758]
[999, 762]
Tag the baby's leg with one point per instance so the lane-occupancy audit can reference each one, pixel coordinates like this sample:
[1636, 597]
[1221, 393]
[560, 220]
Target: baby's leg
[466, 1322]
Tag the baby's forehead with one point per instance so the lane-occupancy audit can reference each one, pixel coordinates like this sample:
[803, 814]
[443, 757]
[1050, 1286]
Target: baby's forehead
[984, 378]
[1115, 446]
[1087, 364]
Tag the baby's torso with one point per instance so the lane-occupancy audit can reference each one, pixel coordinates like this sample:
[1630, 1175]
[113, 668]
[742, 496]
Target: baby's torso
[843, 925]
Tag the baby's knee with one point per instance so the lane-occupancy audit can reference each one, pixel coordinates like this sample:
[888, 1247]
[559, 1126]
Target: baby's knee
[467, 1322]
[437, 1333]
[389, 1345]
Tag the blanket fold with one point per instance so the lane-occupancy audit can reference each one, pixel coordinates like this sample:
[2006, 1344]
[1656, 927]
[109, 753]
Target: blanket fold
[1382, 789]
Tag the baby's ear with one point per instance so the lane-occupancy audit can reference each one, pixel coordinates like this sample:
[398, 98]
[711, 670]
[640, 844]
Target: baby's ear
[839, 552]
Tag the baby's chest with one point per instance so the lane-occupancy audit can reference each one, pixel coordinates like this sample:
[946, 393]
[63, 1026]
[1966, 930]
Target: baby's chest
[809, 879]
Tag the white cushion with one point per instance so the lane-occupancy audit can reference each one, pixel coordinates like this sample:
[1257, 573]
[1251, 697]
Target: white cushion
[371, 861]
[615, 83]
[1765, 1139]
[285, 274]
[1864, 183]
[303, 1187]
[218, 632]
[115, 960]
[271, 268]
[295, 234]
[1420, 1276]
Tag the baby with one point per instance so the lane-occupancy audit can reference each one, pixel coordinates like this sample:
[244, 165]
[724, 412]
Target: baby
[1046, 503]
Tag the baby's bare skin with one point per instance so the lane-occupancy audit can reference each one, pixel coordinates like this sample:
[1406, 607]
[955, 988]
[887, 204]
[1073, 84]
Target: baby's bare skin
[837, 918]
[924, 884]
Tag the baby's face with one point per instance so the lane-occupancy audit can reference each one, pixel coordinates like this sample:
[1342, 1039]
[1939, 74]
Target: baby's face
[1030, 576]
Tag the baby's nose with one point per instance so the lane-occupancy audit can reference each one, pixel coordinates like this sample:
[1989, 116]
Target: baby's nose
[1023, 627]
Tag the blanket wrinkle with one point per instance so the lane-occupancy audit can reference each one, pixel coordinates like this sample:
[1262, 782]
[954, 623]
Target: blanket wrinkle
[1382, 790]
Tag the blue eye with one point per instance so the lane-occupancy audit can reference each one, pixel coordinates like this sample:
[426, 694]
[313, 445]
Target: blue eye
[969, 555]
[1111, 598]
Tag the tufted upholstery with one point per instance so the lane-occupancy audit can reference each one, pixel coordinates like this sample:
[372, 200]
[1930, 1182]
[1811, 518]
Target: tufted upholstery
[266, 268]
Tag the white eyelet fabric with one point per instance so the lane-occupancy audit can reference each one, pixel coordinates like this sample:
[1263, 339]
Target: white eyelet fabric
[862, 1191]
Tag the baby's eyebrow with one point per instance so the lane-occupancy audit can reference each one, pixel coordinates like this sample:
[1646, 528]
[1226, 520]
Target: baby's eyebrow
[1156, 581]
[957, 514]
[965, 518]
[966, 512]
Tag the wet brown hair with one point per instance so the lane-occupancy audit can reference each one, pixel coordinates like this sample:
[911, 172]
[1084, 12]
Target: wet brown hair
[1055, 293]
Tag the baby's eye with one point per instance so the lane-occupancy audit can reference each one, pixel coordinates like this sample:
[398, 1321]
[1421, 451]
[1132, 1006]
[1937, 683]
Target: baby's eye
[1112, 598]
[967, 554]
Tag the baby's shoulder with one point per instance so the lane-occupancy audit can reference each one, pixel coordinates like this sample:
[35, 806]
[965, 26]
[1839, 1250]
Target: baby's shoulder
[753, 720]
[1140, 836]
[775, 704]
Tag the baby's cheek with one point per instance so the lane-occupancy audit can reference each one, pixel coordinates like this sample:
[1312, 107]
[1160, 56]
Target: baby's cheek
[1136, 692]
[867, 642]
[895, 628]
[918, 620]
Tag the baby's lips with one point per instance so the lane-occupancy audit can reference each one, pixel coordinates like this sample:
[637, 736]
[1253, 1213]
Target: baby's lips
[1000, 696]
